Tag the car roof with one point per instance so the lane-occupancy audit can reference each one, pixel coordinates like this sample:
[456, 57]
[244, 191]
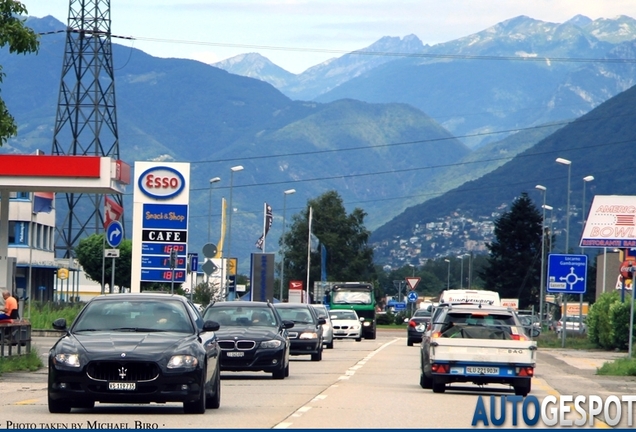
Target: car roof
[292, 305]
[465, 308]
[240, 303]
[139, 296]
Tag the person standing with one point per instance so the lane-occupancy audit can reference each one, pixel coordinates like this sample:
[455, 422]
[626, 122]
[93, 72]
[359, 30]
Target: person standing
[10, 307]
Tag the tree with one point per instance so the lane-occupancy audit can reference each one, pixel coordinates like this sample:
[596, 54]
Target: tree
[90, 251]
[21, 40]
[349, 258]
[514, 264]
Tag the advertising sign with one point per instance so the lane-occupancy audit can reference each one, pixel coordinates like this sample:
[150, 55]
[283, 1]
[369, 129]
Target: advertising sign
[611, 222]
[160, 222]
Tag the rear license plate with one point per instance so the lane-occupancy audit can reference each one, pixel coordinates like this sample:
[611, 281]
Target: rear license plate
[122, 386]
[235, 354]
[482, 370]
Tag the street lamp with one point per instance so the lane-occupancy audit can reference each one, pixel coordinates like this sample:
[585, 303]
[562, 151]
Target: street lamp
[448, 277]
[461, 271]
[567, 242]
[549, 208]
[282, 259]
[543, 190]
[583, 212]
[212, 181]
[567, 209]
[229, 222]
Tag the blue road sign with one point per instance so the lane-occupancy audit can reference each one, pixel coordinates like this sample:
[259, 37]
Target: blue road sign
[194, 262]
[399, 306]
[114, 233]
[567, 274]
[412, 297]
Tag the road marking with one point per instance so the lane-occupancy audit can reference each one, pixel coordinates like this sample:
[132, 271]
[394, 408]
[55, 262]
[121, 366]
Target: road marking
[283, 425]
[27, 402]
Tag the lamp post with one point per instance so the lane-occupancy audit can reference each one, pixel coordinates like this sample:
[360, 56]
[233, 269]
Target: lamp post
[448, 275]
[413, 268]
[543, 190]
[212, 181]
[461, 271]
[229, 222]
[282, 255]
[550, 208]
[568, 163]
[583, 212]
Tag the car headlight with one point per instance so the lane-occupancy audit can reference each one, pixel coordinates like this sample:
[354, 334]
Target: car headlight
[355, 327]
[182, 361]
[71, 360]
[271, 344]
[308, 335]
[366, 323]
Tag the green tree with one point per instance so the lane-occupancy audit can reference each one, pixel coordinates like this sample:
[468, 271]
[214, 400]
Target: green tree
[90, 251]
[21, 40]
[349, 258]
[514, 264]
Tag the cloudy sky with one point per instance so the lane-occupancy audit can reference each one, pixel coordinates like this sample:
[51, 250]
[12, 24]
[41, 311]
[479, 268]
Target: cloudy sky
[298, 34]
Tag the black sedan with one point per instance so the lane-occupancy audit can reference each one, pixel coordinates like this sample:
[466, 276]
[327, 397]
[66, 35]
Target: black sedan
[135, 348]
[252, 337]
[417, 326]
[306, 336]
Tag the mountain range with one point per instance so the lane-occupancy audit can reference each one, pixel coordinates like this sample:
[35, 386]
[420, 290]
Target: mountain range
[384, 157]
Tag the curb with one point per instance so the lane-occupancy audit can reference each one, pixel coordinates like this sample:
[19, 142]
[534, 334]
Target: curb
[47, 333]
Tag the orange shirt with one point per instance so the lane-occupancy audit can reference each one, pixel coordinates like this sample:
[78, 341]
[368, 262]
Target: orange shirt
[10, 304]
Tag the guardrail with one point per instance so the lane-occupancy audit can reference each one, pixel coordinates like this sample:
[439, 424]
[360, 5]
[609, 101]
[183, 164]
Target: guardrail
[15, 338]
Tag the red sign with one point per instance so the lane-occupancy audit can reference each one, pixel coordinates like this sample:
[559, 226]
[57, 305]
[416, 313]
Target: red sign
[112, 211]
[295, 285]
[624, 268]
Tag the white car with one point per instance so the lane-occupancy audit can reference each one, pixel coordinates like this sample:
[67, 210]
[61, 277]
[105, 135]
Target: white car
[327, 328]
[346, 324]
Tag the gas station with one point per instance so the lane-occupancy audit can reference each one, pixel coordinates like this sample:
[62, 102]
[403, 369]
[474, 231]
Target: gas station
[58, 174]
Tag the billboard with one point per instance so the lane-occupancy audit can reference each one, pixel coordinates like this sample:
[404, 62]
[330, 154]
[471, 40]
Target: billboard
[611, 222]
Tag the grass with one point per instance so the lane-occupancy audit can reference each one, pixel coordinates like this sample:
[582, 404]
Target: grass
[29, 362]
[549, 339]
[618, 367]
[43, 314]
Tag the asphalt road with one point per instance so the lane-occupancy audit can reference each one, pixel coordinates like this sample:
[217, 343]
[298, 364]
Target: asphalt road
[368, 384]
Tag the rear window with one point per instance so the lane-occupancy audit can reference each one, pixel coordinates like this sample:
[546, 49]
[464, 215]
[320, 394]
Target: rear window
[478, 325]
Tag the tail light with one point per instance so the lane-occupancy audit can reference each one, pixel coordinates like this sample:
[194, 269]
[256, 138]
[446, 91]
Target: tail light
[439, 368]
[519, 337]
[525, 371]
[412, 324]
[436, 334]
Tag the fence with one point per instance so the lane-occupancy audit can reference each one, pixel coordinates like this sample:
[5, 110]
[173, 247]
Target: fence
[15, 338]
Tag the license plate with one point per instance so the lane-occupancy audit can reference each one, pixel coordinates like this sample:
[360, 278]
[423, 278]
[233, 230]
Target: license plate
[235, 354]
[121, 386]
[482, 370]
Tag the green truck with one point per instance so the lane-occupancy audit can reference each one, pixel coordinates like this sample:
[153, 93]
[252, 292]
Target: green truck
[358, 296]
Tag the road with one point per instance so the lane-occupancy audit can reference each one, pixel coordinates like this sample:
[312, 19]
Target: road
[368, 384]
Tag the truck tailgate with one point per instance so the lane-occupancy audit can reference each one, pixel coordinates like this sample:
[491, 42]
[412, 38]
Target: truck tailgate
[483, 351]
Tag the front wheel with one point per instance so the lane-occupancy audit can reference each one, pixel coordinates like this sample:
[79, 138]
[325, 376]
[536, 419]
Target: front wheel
[280, 373]
[197, 406]
[59, 406]
[317, 356]
[214, 401]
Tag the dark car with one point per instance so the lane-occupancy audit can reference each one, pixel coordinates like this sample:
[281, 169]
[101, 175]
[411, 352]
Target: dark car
[417, 326]
[306, 336]
[252, 337]
[135, 348]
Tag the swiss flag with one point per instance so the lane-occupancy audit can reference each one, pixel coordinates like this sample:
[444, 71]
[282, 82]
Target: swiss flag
[112, 211]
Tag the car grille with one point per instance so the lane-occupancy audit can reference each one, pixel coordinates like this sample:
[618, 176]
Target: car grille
[241, 345]
[292, 335]
[341, 327]
[122, 371]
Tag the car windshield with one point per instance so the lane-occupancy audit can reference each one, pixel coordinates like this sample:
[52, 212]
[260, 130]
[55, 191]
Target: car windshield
[343, 315]
[354, 296]
[146, 315]
[298, 315]
[321, 311]
[241, 316]
[422, 313]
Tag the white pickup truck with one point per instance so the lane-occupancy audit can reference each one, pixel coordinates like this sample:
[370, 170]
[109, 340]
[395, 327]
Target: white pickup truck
[480, 345]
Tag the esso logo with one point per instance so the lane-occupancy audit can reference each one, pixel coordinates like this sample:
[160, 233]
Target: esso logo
[161, 182]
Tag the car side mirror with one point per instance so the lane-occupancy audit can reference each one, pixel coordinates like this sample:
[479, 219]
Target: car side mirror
[322, 321]
[59, 324]
[406, 320]
[211, 326]
[288, 324]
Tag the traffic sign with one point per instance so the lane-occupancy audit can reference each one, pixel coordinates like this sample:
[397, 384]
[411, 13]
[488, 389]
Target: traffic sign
[399, 306]
[412, 296]
[111, 253]
[114, 233]
[193, 262]
[412, 282]
[567, 273]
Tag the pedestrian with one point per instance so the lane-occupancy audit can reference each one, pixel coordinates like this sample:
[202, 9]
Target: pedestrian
[10, 310]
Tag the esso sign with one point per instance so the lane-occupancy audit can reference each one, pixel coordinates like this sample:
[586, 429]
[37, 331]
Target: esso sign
[161, 182]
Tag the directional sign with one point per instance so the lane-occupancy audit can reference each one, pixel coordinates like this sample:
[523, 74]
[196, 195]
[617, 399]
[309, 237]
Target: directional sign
[399, 306]
[567, 273]
[412, 297]
[412, 282]
[114, 234]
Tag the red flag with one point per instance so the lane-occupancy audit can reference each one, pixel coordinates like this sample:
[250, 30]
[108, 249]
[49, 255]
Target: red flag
[112, 211]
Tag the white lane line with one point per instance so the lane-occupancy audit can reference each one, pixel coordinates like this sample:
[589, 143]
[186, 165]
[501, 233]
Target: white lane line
[283, 425]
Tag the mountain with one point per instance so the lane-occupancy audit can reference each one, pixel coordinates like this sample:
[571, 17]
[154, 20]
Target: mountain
[254, 65]
[182, 110]
[598, 144]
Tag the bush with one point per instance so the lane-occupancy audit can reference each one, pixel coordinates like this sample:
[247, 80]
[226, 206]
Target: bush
[385, 318]
[598, 321]
[619, 317]
[43, 314]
